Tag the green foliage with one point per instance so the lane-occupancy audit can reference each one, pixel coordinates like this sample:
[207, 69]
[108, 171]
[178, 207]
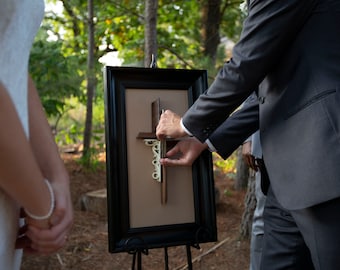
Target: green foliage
[55, 75]
[227, 166]
[71, 135]
[231, 24]
[179, 47]
[90, 160]
[69, 130]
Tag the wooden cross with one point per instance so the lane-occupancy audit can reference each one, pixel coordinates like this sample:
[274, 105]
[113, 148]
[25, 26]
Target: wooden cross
[158, 149]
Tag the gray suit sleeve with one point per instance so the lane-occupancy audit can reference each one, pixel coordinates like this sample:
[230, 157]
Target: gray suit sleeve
[237, 128]
[268, 31]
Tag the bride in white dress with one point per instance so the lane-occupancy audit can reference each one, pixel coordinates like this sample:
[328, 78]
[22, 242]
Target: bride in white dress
[21, 175]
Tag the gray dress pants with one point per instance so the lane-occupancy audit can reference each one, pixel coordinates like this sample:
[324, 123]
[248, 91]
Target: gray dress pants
[303, 239]
[257, 229]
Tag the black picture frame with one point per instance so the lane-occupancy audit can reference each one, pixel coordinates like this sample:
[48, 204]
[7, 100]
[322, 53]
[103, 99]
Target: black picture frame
[122, 236]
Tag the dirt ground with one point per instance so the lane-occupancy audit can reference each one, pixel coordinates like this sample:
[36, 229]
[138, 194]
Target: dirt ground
[87, 247]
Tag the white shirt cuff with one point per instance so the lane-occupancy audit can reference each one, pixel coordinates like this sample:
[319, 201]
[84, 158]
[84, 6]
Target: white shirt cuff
[207, 141]
[210, 146]
[185, 129]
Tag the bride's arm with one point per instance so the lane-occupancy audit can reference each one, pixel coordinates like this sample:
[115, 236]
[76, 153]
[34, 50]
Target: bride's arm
[20, 176]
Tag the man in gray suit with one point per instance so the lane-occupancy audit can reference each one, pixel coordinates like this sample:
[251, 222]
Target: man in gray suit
[252, 152]
[292, 50]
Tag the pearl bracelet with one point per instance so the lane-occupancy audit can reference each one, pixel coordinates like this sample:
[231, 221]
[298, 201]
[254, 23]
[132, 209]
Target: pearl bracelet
[50, 212]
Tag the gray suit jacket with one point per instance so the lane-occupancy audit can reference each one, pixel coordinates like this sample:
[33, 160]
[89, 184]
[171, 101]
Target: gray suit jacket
[292, 50]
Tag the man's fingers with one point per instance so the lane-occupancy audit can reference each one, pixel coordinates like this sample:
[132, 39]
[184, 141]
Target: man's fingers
[172, 162]
[173, 151]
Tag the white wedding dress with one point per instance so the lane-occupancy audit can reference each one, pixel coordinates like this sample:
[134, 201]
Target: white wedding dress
[19, 22]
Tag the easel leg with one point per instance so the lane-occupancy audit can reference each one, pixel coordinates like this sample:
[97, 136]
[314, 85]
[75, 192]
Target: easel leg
[139, 260]
[189, 257]
[166, 259]
[133, 261]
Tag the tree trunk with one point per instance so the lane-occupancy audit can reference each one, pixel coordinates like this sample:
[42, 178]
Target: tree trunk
[242, 171]
[91, 81]
[211, 20]
[250, 205]
[150, 46]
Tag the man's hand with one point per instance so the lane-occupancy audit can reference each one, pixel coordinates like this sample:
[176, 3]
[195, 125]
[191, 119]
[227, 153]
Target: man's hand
[169, 126]
[184, 153]
[248, 158]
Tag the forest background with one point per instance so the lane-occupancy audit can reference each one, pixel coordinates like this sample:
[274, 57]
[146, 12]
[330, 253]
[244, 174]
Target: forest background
[79, 37]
